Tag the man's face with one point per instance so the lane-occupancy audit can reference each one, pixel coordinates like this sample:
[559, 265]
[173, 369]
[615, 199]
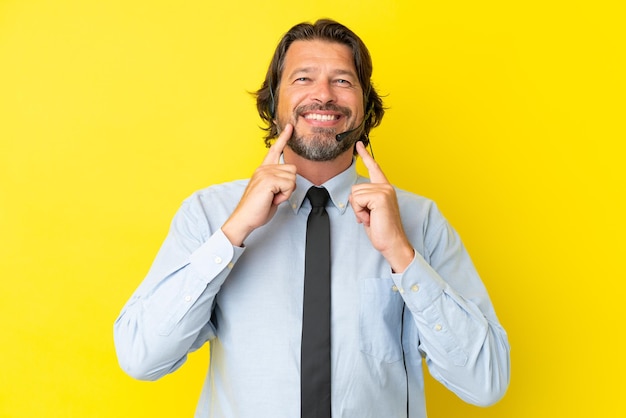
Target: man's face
[320, 95]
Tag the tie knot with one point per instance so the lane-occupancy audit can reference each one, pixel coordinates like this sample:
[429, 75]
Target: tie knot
[318, 196]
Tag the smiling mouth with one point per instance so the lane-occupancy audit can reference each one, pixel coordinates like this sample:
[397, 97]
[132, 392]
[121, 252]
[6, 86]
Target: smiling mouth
[327, 115]
[321, 117]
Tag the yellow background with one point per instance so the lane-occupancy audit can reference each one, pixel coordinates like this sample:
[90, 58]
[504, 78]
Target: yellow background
[508, 114]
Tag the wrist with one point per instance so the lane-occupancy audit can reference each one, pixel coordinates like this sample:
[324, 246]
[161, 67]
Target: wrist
[235, 235]
[400, 258]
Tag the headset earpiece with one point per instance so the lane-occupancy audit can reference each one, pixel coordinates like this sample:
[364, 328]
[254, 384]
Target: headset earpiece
[272, 104]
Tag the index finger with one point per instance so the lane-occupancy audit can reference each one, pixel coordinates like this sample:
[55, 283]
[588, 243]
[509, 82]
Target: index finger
[273, 155]
[374, 170]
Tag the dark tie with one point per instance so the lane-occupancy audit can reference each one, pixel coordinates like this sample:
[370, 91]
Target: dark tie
[315, 373]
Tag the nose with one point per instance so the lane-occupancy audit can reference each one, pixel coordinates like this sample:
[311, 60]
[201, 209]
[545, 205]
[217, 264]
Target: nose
[323, 92]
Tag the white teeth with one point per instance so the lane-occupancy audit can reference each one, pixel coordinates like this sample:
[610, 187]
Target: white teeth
[323, 118]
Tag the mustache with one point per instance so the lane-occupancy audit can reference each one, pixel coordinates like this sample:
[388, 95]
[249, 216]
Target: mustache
[345, 111]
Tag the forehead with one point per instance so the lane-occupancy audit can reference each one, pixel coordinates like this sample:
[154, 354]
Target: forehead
[315, 55]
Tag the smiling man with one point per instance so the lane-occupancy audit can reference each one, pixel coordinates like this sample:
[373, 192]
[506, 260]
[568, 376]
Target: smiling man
[321, 292]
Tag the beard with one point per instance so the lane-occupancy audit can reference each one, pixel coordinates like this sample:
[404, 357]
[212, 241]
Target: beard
[321, 144]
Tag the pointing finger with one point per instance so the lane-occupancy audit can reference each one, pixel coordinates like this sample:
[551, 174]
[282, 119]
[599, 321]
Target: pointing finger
[273, 155]
[375, 173]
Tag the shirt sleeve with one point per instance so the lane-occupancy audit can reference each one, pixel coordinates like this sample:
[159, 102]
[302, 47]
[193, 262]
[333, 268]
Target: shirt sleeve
[458, 333]
[169, 314]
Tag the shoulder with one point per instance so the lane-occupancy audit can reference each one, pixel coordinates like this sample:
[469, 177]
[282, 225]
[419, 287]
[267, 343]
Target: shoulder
[212, 204]
[415, 203]
[409, 198]
[223, 192]
[420, 211]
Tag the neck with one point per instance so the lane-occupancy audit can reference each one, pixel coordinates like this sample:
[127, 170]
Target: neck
[318, 172]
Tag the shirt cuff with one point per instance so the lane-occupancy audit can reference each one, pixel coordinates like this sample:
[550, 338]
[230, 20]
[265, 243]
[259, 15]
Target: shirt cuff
[216, 254]
[419, 284]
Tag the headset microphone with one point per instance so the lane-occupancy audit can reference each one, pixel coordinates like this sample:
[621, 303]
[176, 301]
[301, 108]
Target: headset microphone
[343, 135]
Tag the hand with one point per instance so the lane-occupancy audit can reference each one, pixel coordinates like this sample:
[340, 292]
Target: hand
[270, 185]
[376, 207]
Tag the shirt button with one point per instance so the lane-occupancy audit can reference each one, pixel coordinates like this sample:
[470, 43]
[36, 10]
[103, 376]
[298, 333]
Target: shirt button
[187, 298]
[294, 206]
[218, 260]
[394, 288]
[438, 327]
[342, 205]
[231, 265]
[415, 288]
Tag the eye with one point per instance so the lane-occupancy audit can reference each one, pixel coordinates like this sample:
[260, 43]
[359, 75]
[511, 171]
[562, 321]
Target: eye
[301, 80]
[342, 82]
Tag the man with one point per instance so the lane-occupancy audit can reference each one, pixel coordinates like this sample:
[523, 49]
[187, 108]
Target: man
[231, 271]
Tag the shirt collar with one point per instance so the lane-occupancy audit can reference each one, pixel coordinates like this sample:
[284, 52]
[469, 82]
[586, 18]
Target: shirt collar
[339, 188]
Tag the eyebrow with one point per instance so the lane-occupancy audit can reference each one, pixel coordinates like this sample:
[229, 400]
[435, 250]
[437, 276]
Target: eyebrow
[309, 70]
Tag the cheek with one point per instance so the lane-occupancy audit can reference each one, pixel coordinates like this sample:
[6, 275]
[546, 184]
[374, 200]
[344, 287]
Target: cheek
[283, 117]
[356, 104]
[290, 97]
[285, 110]
[282, 108]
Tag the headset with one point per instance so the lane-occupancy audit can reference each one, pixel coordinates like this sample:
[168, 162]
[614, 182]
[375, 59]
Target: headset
[272, 104]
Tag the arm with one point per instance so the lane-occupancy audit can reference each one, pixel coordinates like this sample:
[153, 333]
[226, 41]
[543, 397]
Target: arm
[465, 347]
[168, 315]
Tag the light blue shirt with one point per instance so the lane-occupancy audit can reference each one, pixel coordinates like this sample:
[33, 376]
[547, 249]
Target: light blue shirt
[248, 303]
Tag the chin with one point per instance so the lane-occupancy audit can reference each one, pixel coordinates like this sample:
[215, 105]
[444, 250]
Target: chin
[319, 148]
